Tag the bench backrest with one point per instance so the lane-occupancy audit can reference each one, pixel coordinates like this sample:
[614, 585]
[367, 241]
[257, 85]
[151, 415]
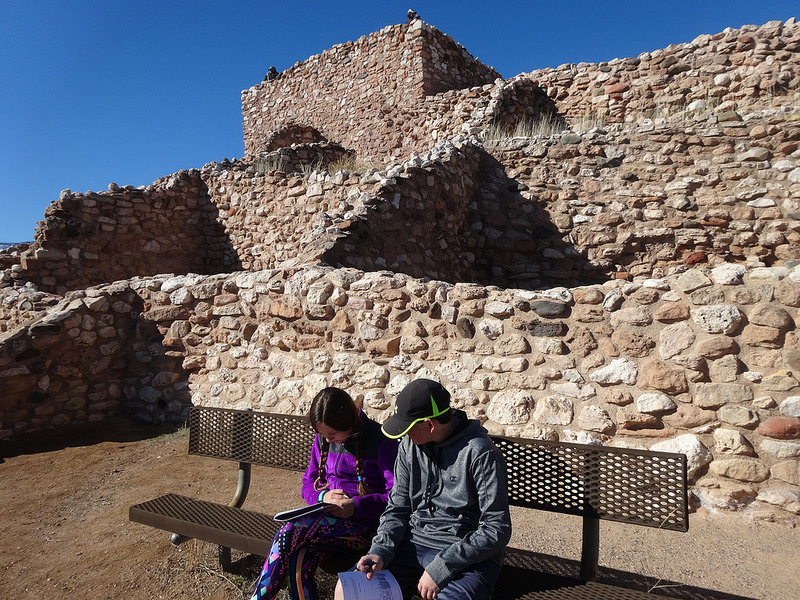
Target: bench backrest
[641, 487]
[632, 486]
[268, 439]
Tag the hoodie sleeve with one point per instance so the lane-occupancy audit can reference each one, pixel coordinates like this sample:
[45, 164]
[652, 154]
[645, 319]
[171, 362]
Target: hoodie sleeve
[371, 506]
[494, 528]
[395, 519]
[310, 495]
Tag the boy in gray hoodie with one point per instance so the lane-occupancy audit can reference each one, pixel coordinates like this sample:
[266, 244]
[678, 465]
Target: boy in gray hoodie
[445, 529]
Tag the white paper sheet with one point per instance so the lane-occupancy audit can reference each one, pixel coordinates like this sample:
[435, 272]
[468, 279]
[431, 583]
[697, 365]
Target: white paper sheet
[382, 586]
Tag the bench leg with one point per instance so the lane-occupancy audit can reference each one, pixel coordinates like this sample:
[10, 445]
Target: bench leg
[224, 554]
[590, 554]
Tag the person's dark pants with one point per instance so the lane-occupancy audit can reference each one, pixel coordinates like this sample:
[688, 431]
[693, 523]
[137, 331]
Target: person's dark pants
[475, 583]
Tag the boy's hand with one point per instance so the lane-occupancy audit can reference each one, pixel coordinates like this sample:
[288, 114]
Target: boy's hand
[426, 587]
[370, 564]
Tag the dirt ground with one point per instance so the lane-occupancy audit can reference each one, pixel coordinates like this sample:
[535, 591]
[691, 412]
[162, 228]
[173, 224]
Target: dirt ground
[65, 533]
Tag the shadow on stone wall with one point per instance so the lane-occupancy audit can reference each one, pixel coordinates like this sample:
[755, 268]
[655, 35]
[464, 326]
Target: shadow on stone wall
[69, 368]
[293, 133]
[520, 246]
[156, 384]
[521, 103]
[459, 219]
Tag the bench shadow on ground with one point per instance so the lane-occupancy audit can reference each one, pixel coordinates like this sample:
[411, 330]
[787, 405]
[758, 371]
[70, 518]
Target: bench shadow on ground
[563, 572]
[119, 428]
[557, 573]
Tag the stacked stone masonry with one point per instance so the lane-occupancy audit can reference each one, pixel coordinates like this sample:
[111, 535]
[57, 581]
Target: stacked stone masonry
[91, 238]
[352, 100]
[631, 280]
[730, 70]
[702, 361]
[367, 95]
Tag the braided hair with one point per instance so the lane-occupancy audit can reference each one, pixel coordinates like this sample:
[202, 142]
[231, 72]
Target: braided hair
[335, 408]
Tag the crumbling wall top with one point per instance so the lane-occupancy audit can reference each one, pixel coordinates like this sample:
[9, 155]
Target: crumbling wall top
[354, 91]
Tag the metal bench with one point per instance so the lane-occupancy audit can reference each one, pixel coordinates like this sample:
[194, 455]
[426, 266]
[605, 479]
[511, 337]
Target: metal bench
[594, 482]
[250, 438]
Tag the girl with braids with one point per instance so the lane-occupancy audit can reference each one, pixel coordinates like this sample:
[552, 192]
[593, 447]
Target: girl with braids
[351, 469]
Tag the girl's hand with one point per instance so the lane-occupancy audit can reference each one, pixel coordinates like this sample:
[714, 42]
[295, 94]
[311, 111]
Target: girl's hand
[343, 506]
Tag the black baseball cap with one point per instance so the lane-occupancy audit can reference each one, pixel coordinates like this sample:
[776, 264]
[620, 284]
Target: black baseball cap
[419, 400]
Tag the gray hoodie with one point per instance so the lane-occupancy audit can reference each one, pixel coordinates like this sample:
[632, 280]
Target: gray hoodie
[450, 496]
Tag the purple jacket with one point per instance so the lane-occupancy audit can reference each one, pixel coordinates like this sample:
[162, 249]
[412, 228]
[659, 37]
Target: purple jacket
[378, 454]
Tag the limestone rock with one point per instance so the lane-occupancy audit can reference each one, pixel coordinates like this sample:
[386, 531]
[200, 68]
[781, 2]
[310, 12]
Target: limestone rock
[714, 395]
[780, 449]
[554, 410]
[499, 309]
[738, 416]
[724, 318]
[730, 441]
[491, 328]
[788, 471]
[573, 390]
[620, 370]
[790, 406]
[674, 339]
[697, 455]
[636, 316]
[630, 418]
[785, 498]
[594, 418]
[728, 274]
[654, 403]
[780, 381]
[691, 280]
[511, 407]
[724, 494]
[740, 469]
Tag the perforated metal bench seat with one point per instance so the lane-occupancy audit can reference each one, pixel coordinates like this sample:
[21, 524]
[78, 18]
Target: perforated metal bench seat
[527, 585]
[228, 526]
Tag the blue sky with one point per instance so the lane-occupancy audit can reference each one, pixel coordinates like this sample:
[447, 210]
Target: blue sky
[126, 91]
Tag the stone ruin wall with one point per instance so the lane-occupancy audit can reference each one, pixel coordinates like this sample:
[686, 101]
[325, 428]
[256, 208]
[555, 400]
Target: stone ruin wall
[549, 209]
[69, 366]
[532, 212]
[701, 361]
[365, 95]
[92, 238]
[738, 69]
[644, 199]
[665, 174]
[656, 204]
[370, 221]
[731, 70]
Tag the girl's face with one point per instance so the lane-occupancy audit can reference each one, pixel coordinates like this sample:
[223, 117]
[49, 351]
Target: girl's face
[331, 435]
